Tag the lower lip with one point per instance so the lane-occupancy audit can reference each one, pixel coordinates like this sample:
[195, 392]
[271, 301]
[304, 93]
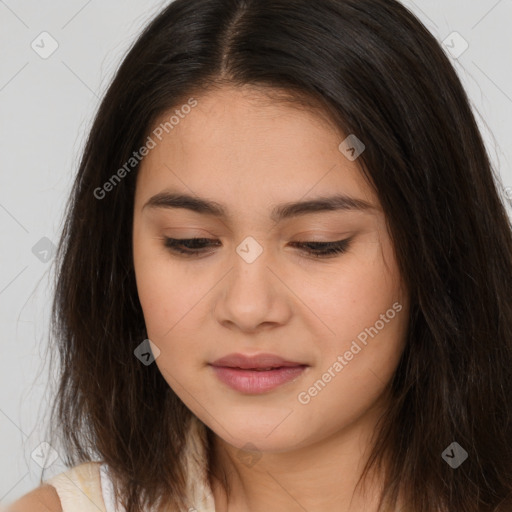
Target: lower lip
[253, 381]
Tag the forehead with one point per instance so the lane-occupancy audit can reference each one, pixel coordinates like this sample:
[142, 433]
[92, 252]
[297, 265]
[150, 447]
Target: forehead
[239, 145]
[249, 117]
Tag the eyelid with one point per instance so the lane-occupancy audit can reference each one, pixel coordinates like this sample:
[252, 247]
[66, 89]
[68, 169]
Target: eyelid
[328, 233]
[320, 250]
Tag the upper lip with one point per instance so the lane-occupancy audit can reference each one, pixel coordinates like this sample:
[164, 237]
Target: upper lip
[254, 361]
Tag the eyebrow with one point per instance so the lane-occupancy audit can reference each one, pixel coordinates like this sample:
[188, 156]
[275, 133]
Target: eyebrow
[339, 202]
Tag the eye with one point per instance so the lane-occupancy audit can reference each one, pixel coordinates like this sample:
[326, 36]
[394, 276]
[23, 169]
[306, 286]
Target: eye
[182, 245]
[195, 246]
[324, 249]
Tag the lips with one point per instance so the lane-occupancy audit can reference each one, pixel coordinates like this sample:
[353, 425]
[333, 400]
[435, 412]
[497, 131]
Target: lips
[259, 362]
[257, 374]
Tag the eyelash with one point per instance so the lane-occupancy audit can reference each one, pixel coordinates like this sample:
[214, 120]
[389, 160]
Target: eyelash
[328, 249]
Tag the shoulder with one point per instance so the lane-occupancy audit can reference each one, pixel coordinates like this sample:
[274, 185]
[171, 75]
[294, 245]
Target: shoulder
[42, 499]
[77, 488]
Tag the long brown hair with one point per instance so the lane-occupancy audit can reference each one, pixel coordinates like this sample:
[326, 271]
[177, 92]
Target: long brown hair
[378, 73]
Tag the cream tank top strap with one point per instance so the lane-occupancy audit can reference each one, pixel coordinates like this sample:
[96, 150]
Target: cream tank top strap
[84, 488]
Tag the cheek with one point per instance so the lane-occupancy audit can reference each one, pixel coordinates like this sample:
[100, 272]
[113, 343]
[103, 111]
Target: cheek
[367, 314]
[165, 298]
[355, 365]
[355, 294]
[167, 306]
[157, 288]
[173, 304]
[164, 289]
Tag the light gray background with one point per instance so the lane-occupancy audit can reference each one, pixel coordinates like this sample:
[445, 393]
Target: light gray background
[46, 109]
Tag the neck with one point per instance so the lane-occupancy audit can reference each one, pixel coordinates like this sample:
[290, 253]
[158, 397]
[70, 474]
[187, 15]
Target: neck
[321, 476]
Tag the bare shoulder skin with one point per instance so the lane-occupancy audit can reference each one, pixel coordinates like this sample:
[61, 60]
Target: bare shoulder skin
[41, 499]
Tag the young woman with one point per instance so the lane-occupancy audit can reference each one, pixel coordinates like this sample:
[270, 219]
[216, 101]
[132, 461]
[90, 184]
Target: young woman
[284, 280]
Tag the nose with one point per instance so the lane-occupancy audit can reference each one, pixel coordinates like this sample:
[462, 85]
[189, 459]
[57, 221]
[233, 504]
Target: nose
[252, 296]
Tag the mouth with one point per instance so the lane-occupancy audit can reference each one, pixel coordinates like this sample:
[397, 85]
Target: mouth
[260, 369]
[272, 369]
[258, 362]
[256, 369]
[256, 374]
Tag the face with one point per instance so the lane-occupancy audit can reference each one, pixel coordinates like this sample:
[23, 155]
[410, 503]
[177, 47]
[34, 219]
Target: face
[256, 282]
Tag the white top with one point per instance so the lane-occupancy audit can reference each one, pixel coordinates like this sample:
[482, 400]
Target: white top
[107, 491]
[88, 487]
